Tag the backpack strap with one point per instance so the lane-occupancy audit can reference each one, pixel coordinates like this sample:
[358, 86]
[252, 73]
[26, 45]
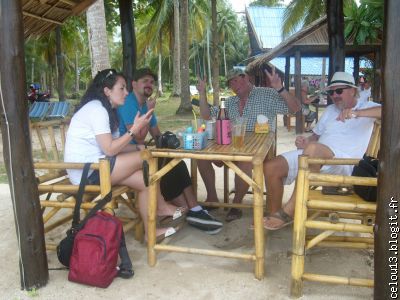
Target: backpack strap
[82, 184]
[99, 205]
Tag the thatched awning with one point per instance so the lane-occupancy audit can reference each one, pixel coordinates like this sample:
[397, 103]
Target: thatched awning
[41, 16]
[311, 41]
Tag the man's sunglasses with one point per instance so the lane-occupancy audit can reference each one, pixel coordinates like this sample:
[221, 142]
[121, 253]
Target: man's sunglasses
[338, 91]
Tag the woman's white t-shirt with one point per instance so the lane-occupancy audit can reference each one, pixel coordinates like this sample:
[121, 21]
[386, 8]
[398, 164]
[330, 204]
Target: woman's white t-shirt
[81, 145]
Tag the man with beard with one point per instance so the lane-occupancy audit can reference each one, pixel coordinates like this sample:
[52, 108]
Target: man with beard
[343, 131]
[176, 185]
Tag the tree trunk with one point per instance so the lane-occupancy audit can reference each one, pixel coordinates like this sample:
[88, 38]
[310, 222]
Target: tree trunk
[185, 105]
[60, 66]
[336, 36]
[215, 52]
[208, 57]
[160, 90]
[17, 149]
[387, 217]
[225, 67]
[176, 69]
[76, 75]
[128, 40]
[297, 84]
[96, 22]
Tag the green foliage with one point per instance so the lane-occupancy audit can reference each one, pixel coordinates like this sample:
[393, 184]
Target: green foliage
[364, 23]
[269, 3]
[154, 35]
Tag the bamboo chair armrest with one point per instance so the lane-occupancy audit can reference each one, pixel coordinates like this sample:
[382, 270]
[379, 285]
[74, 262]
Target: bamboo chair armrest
[342, 179]
[333, 161]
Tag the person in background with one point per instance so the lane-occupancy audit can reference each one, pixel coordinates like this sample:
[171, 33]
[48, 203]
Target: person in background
[249, 101]
[176, 186]
[309, 115]
[93, 134]
[343, 131]
[364, 89]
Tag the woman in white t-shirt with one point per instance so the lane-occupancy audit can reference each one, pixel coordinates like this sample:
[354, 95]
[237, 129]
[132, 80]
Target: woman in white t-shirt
[93, 134]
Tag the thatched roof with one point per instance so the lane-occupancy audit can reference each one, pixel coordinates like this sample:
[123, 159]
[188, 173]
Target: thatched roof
[41, 16]
[311, 41]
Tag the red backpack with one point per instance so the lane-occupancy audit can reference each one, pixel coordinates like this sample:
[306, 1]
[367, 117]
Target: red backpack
[95, 252]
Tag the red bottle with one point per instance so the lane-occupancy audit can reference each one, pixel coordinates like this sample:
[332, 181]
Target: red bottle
[223, 125]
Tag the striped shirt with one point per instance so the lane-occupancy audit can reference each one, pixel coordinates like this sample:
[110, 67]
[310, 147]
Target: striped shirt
[261, 100]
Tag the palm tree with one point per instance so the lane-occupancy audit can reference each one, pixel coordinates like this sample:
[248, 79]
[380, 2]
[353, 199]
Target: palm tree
[185, 105]
[215, 52]
[98, 45]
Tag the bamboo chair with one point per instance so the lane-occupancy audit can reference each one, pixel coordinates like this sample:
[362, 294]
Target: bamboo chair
[331, 214]
[56, 191]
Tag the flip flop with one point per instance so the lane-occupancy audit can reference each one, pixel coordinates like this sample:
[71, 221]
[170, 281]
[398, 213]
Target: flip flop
[177, 218]
[281, 215]
[169, 232]
[233, 214]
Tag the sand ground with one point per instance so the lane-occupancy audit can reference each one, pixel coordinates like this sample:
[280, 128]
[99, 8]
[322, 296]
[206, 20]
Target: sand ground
[190, 276]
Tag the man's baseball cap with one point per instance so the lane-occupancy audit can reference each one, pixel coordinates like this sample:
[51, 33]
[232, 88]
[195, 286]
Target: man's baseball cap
[140, 73]
[234, 73]
[342, 78]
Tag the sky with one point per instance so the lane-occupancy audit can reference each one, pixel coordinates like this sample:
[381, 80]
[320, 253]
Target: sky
[239, 5]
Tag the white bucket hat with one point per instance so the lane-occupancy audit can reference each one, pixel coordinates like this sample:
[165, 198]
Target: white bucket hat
[342, 78]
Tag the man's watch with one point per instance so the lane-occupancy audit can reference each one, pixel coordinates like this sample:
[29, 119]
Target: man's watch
[281, 90]
[131, 133]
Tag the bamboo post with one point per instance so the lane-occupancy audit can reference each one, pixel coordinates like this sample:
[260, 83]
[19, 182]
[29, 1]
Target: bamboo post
[258, 189]
[299, 229]
[152, 209]
[105, 183]
[226, 184]
[193, 173]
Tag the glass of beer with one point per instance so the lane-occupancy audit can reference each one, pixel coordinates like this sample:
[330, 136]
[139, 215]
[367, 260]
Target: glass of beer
[238, 132]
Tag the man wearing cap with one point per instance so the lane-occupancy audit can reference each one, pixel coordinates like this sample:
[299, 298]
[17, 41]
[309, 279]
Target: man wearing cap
[248, 102]
[176, 185]
[343, 131]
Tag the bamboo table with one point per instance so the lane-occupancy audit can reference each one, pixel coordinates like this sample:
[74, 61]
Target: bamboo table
[255, 150]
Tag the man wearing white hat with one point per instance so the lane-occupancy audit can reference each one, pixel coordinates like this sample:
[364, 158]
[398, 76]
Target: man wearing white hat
[343, 131]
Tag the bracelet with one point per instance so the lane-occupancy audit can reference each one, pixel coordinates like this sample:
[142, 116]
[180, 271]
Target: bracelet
[281, 90]
[131, 133]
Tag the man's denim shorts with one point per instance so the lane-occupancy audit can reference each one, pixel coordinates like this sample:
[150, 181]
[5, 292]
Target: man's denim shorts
[94, 178]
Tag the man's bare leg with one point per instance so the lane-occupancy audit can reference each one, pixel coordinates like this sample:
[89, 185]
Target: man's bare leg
[275, 171]
[208, 175]
[315, 150]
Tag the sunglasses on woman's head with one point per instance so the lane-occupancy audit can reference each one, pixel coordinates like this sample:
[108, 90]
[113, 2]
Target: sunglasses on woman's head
[338, 91]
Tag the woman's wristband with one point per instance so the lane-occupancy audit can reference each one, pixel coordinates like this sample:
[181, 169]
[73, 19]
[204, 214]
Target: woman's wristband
[281, 90]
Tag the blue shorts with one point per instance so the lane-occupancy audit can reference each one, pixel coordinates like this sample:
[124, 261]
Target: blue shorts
[94, 178]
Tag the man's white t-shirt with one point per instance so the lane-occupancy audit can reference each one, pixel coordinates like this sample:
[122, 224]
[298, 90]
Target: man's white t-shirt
[349, 138]
[81, 145]
[364, 95]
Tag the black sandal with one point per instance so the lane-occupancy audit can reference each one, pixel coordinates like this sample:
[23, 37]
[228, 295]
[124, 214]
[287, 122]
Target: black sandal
[125, 273]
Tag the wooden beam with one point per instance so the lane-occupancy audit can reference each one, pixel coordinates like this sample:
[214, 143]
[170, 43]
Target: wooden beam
[82, 6]
[17, 149]
[25, 13]
[386, 258]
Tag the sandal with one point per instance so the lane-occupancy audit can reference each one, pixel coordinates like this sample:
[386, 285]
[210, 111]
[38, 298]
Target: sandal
[280, 215]
[125, 273]
[177, 218]
[335, 190]
[233, 214]
[170, 231]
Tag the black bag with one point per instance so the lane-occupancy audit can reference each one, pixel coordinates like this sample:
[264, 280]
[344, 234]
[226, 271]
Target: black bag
[65, 247]
[367, 167]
